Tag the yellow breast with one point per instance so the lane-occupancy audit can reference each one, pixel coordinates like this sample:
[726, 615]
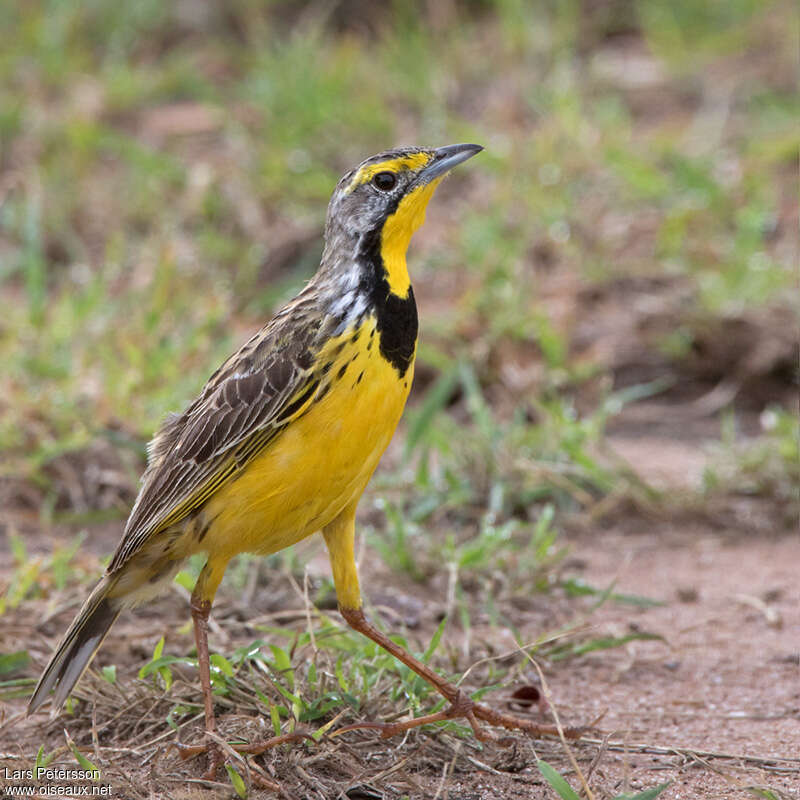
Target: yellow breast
[322, 460]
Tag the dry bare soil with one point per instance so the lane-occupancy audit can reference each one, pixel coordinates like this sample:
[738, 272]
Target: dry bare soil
[712, 705]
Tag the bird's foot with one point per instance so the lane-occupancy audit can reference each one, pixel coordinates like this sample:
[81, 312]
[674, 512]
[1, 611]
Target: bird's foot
[216, 758]
[462, 707]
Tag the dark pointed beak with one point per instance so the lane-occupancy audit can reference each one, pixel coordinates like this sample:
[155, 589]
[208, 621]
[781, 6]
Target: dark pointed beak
[445, 158]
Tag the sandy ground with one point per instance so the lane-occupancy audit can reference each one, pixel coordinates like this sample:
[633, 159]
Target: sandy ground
[726, 678]
[712, 705]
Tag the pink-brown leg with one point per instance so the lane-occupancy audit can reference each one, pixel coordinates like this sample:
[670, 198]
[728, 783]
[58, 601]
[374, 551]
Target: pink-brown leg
[460, 704]
[200, 611]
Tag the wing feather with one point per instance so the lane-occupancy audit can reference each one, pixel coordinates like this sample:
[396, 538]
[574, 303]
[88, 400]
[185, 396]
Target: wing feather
[246, 403]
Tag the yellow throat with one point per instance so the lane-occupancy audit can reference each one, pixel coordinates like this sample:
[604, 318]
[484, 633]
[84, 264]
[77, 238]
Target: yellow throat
[397, 232]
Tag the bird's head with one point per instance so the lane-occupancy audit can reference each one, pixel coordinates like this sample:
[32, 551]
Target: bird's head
[381, 202]
[395, 183]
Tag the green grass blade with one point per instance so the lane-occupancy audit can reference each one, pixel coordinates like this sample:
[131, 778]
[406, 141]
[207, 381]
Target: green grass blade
[236, 781]
[559, 784]
[602, 643]
[437, 637]
[13, 662]
[81, 758]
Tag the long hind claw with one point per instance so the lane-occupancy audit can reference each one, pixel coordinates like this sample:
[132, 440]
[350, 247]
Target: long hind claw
[464, 707]
[216, 757]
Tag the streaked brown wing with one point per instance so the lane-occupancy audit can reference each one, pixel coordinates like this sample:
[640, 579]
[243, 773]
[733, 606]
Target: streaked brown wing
[245, 404]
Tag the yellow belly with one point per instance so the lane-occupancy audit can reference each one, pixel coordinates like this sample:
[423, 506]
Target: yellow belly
[320, 463]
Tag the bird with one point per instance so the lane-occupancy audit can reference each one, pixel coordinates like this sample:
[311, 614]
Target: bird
[283, 438]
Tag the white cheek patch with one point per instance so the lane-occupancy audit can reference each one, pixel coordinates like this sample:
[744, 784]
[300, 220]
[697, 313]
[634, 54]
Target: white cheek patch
[341, 304]
[350, 280]
[359, 307]
[350, 306]
[345, 291]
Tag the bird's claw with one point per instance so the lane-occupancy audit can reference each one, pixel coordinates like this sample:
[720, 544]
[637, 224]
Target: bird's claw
[463, 707]
[216, 758]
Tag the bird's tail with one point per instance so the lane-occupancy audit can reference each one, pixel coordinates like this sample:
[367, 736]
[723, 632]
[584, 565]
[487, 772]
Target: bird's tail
[78, 646]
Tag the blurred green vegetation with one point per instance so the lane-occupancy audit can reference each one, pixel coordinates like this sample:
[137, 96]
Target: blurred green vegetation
[629, 231]
[164, 172]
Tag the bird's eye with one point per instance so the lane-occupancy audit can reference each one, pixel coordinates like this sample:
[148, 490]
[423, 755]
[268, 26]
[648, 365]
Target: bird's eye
[384, 181]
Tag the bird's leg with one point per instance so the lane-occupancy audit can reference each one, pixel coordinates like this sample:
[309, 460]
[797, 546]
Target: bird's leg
[203, 594]
[339, 537]
[200, 611]
[460, 704]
